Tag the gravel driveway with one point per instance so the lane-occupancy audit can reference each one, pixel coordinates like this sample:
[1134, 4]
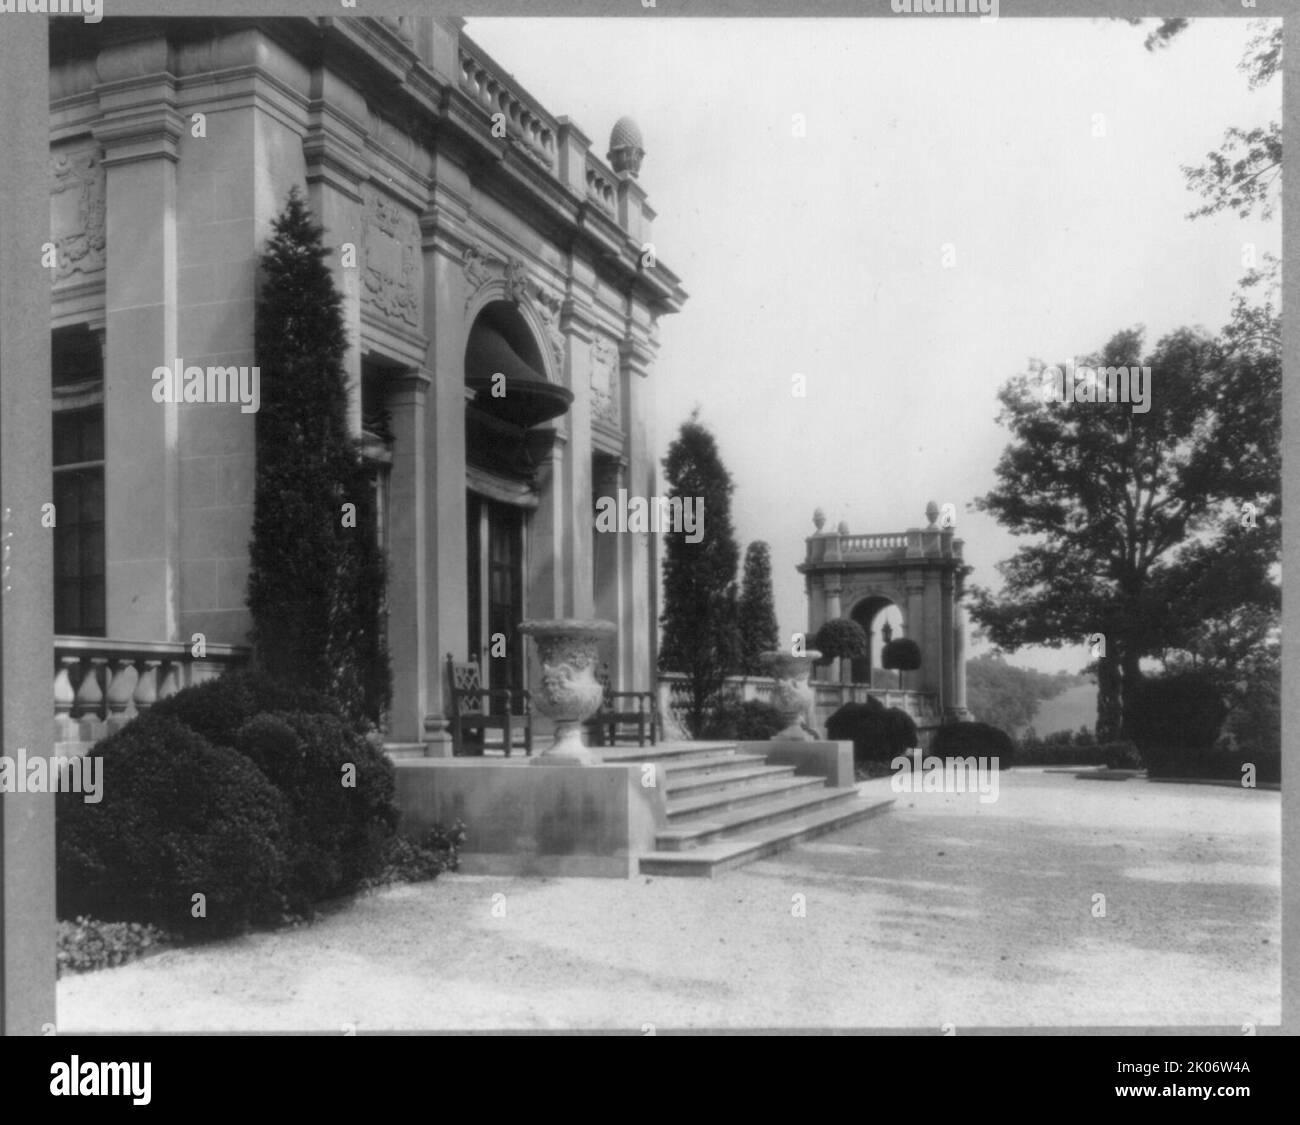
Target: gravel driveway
[943, 910]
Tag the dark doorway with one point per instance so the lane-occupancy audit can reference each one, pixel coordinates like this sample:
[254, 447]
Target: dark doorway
[495, 568]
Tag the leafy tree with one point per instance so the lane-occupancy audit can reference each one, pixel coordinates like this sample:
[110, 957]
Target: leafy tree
[699, 621]
[1133, 516]
[841, 638]
[758, 628]
[316, 581]
[902, 653]
[1244, 173]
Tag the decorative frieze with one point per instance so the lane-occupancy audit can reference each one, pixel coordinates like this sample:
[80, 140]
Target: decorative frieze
[605, 382]
[77, 212]
[390, 278]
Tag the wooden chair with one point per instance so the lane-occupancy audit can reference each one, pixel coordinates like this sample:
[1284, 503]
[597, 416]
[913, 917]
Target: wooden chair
[613, 713]
[469, 704]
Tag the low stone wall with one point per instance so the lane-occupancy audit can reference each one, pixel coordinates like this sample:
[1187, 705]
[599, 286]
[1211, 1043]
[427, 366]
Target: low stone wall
[522, 819]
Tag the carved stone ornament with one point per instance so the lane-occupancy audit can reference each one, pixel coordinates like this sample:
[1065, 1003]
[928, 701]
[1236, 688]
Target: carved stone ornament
[604, 382]
[77, 212]
[390, 281]
[548, 308]
[516, 279]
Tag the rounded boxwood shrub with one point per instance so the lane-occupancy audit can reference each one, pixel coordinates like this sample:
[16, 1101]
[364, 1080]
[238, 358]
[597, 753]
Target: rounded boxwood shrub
[750, 721]
[218, 708]
[178, 817]
[964, 739]
[878, 733]
[1182, 712]
[339, 790]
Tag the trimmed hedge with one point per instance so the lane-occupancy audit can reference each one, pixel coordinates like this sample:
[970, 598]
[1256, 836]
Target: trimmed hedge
[218, 708]
[963, 739]
[750, 721]
[1184, 710]
[339, 791]
[1212, 764]
[1115, 755]
[178, 817]
[878, 734]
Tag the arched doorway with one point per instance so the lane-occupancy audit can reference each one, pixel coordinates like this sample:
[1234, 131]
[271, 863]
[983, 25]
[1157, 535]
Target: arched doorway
[505, 442]
[878, 616]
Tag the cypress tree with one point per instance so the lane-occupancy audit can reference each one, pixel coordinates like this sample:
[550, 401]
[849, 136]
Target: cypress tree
[758, 628]
[316, 580]
[700, 636]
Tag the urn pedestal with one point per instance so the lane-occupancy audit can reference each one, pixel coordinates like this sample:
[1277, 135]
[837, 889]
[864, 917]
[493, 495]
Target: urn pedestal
[793, 695]
[568, 692]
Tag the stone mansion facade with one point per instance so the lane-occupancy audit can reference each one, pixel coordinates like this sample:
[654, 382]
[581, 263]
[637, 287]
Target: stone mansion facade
[486, 237]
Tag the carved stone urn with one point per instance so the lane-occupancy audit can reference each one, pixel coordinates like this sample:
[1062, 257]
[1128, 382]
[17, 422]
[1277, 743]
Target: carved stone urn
[569, 691]
[793, 695]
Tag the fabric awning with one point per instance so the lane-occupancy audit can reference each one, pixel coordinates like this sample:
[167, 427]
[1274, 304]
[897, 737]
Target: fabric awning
[528, 398]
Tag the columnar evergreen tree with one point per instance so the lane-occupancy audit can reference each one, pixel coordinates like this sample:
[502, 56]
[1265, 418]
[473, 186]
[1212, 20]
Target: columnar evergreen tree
[700, 635]
[758, 628]
[316, 581]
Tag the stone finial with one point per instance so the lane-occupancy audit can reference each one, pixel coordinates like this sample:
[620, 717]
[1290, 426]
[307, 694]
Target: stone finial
[843, 529]
[819, 520]
[625, 147]
[932, 513]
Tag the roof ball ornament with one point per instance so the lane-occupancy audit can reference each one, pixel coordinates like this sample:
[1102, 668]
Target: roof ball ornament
[626, 147]
[819, 520]
[844, 527]
[932, 513]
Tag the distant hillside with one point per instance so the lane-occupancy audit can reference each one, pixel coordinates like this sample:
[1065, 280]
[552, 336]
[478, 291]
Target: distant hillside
[1074, 708]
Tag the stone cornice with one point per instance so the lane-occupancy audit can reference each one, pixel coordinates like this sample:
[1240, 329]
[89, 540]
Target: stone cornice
[146, 132]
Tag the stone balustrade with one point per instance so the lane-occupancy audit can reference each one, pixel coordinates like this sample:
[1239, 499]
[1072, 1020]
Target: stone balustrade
[600, 185]
[524, 118]
[674, 699]
[101, 685]
[915, 543]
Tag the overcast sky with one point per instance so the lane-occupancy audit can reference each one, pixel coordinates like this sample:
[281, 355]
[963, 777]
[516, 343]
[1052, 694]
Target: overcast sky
[823, 254]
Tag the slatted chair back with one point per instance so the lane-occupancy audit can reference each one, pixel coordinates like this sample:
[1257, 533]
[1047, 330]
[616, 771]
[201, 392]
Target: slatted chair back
[466, 686]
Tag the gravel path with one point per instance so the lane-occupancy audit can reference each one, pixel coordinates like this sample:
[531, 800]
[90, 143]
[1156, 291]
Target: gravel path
[943, 910]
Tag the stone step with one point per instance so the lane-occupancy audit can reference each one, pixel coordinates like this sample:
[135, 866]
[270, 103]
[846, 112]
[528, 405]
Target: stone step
[708, 859]
[664, 752]
[398, 750]
[732, 822]
[691, 783]
[710, 763]
[736, 795]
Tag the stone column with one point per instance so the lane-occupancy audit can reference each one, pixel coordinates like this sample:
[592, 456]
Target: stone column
[573, 483]
[27, 925]
[334, 149]
[408, 610]
[947, 635]
[959, 664]
[839, 668]
[546, 557]
[446, 622]
[639, 628]
[608, 569]
[140, 130]
[915, 626]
